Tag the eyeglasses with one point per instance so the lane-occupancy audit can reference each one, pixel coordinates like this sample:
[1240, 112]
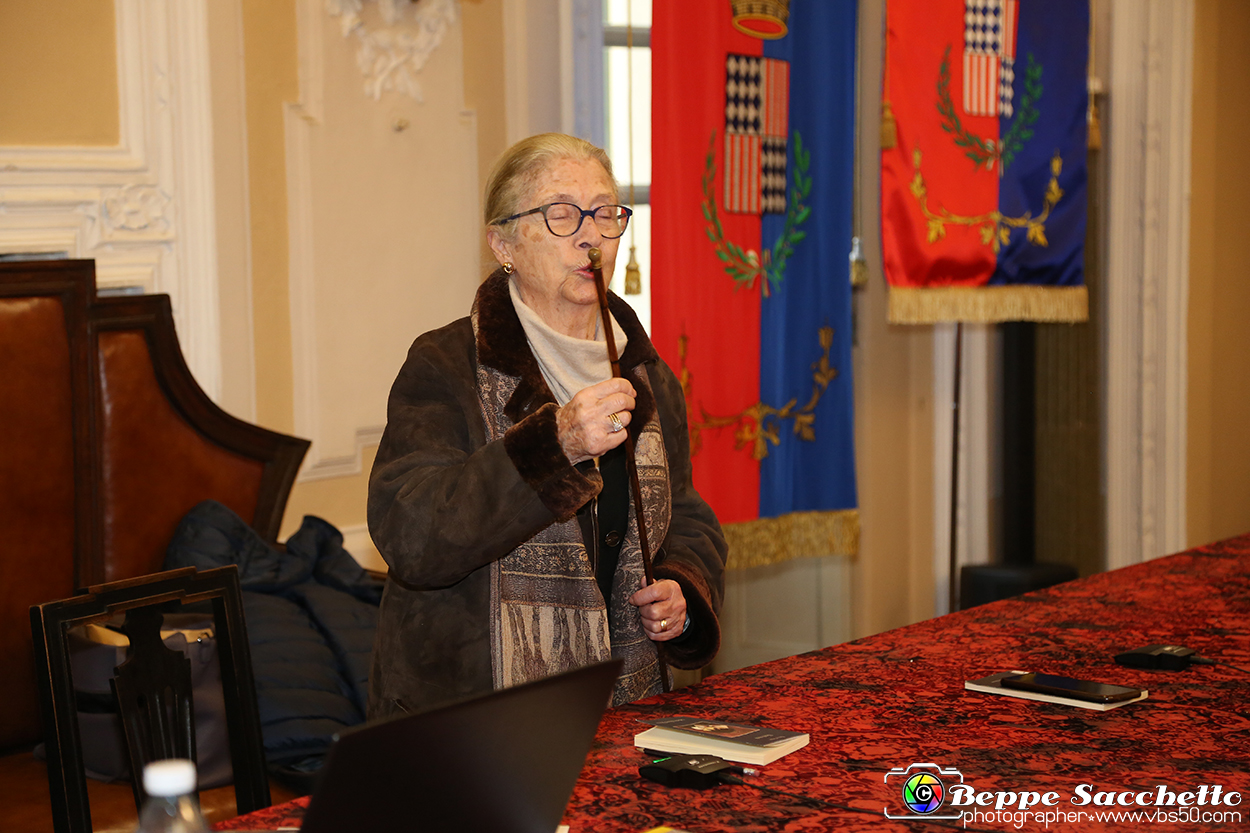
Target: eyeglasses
[564, 218]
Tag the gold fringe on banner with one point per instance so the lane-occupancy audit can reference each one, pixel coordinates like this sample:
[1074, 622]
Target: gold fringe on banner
[797, 535]
[988, 304]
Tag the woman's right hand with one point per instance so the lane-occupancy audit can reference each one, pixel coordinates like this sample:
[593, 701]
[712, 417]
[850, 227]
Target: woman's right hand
[585, 426]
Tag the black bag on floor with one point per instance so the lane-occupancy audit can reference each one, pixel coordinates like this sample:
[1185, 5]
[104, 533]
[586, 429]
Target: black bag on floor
[96, 650]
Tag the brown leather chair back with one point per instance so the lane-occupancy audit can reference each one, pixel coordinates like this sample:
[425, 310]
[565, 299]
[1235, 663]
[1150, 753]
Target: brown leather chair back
[43, 438]
[106, 441]
[164, 446]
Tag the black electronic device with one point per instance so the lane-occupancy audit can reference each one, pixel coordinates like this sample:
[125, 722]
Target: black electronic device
[1071, 688]
[505, 761]
[693, 772]
[1164, 657]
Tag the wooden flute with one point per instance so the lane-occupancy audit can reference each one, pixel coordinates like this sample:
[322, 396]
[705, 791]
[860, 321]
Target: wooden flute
[596, 269]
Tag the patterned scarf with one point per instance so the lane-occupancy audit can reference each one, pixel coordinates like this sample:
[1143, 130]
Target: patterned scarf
[547, 614]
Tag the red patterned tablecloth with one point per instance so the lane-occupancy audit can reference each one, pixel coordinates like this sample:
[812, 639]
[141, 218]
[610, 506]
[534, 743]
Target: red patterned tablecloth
[897, 698]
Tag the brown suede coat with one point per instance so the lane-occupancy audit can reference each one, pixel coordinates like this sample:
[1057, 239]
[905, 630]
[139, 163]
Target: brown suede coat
[444, 503]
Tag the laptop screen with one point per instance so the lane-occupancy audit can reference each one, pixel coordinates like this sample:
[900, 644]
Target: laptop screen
[506, 761]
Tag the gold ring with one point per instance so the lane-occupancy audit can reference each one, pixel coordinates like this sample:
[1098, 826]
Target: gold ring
[663, 624]
[616, 422]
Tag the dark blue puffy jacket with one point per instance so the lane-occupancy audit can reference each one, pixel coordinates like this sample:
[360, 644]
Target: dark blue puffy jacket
[311, 615]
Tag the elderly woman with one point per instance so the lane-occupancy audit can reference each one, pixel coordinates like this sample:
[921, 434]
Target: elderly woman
[500, 497]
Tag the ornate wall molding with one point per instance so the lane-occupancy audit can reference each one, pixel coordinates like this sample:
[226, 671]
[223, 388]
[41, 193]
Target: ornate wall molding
[340, 432]
[393, 46]
[144, 208]
[1147, 277]
[133, 210]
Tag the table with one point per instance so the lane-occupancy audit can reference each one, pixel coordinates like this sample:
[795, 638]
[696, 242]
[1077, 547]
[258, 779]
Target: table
[895, 699]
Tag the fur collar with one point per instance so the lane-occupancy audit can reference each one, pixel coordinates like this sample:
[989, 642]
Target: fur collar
[501, 345]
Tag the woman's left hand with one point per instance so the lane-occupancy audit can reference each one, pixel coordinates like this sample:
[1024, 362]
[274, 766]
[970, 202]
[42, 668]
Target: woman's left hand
[663, 609]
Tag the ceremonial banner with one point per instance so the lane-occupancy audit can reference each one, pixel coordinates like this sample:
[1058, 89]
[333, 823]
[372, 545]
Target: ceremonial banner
[752, 169]
[983, 191]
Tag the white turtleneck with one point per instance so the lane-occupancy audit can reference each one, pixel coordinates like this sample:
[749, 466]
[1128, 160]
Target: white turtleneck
[568, 364]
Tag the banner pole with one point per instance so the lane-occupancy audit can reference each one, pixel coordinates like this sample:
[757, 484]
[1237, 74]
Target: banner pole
[954, 536]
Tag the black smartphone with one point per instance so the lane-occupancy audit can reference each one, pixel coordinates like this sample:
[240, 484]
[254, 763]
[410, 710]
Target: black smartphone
[1071, 688]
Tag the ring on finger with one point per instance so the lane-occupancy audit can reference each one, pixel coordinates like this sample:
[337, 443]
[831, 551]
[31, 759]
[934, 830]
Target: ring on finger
[616, 422]
[663, 624]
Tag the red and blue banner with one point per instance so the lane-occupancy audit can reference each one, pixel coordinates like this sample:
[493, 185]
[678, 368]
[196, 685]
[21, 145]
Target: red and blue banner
[983, 192]
[752, 173]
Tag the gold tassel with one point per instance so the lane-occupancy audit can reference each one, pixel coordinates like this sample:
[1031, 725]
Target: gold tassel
[859, 265]
[1095, 128]
[859, 273]
[633, 275]
[889, 128]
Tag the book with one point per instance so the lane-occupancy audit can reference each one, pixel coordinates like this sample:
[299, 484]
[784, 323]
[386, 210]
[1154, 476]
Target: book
[732, 741]
[993, 685]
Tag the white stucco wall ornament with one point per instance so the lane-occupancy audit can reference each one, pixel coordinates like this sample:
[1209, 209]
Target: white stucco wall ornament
[396, 41]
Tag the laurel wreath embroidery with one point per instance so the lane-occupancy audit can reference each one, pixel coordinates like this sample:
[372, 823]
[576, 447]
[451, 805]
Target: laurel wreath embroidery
[759, 425]
[744, 266]
[986, 152]
[995, 227]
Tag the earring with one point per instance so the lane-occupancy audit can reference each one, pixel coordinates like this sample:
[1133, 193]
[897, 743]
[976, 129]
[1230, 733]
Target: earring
[507, 267]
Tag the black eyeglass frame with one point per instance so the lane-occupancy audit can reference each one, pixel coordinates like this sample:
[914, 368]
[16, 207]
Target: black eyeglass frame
[585, 212]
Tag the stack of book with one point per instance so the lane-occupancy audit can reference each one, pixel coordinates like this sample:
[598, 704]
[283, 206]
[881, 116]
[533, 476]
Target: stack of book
[731, 741]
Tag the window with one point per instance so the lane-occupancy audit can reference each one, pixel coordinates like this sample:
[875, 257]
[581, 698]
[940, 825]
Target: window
[628, 136]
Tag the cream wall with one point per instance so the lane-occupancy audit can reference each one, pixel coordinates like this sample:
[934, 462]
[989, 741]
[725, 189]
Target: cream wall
[383, 236]
[62, 57]
[482, 45]
[233, 216]
[484, 86]
[1219, 277]
[270, 65]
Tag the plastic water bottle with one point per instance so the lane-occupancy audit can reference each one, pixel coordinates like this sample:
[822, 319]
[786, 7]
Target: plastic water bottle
[171, 806]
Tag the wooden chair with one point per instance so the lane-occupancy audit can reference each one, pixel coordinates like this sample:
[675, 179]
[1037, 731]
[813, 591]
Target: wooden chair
[153, 685]
[106, 442]
[154, 696]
